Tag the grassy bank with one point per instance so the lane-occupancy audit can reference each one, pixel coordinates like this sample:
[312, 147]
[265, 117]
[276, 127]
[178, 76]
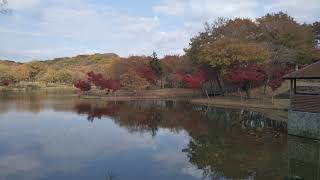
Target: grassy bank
[277, 110]
[29, 86]
[235, 102]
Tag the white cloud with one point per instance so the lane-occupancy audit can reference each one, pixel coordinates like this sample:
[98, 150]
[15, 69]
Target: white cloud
[302, 10]
[83, 28]
[79, 28]
[208, 9]
[22, 4]
[44, 29]
[193, 171]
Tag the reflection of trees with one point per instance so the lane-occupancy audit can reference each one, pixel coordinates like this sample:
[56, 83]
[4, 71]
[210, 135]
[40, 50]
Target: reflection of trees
[224, 143]
[237, 147]
[96, 111]
[236, 157]
[146, 116]
[141, 117]
[149, 116]
[30, 102]
[36, 101]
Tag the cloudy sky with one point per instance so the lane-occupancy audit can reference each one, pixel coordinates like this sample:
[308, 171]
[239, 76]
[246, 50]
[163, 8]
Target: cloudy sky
[44, 29]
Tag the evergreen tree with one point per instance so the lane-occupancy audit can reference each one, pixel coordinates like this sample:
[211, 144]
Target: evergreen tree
[155, 64]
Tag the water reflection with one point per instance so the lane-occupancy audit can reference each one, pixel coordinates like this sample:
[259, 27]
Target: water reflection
[303, 158]
[225, 143]
[66, 138]
[93, 112]
[140, 116]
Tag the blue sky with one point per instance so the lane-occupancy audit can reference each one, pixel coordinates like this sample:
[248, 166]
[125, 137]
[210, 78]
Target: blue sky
[45, 29]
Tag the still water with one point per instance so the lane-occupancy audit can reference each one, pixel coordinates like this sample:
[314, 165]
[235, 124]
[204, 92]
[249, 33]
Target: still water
[57, 136]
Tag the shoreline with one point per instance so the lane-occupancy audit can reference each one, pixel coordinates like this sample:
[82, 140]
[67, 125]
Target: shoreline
[279, 104]
[271, 111]
[277, 111]
[233, 102]
[125, 95]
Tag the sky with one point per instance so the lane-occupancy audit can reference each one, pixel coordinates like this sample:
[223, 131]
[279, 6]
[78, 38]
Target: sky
[46, 29]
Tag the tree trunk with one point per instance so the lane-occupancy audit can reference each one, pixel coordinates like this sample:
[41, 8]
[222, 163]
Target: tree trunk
[211, 86]
[206, 93]
[248, 92]
[220, 83]
[162, 84]
[239, 90]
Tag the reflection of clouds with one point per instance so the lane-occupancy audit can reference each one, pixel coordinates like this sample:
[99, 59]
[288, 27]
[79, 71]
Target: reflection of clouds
[193, 171]
[57, 142]
[171, 158]
[12, 164]
[61, 142]
[86, 141]
[18, 163]
[170, 155]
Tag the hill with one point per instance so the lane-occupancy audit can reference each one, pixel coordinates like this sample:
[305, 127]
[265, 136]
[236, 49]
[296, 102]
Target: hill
[59, 70]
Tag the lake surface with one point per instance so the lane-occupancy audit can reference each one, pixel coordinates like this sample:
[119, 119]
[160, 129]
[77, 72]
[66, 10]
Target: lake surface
[58, 136]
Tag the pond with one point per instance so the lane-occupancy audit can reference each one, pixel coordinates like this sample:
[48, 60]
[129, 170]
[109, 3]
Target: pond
[59, 136]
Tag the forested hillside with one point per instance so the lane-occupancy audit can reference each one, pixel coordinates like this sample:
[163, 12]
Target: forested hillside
[60, 70]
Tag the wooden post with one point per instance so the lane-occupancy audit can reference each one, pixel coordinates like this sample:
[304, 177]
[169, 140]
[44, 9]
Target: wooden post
[291, 93]
[295, 86]
[291, 88]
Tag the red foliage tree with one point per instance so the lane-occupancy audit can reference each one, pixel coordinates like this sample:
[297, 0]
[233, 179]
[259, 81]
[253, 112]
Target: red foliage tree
[180, 75]
[275, 73]
[94, 78]
[114, 85]
[148, 74]
[195, 81]
[83, 85]
[102, 84]
[246, 77]
[5, 82]
[99, 81]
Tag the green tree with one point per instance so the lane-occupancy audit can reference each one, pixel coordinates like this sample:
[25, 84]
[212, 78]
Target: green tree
[316, 30]
[155, 64]
[36, 68]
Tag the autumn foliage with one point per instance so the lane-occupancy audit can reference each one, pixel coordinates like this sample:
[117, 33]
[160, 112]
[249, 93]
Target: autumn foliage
[82, 85]
[100, 82]
[195, 81]
[148, 74]
[275, 74]
[246, 77]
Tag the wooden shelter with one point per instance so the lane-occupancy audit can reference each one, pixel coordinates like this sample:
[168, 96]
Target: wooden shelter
[305, 101]
[304, 113]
